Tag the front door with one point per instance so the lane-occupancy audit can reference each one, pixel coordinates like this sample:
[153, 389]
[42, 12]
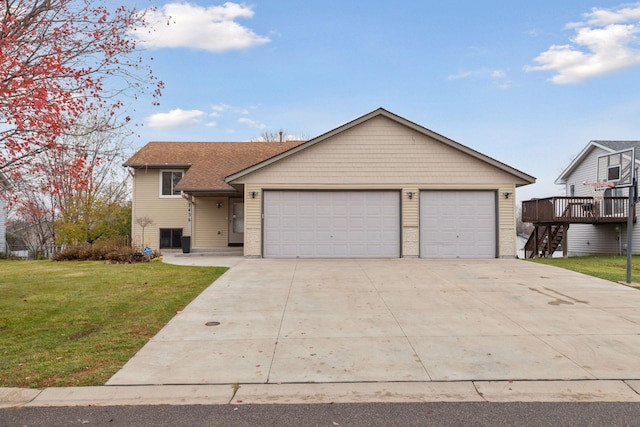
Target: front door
[236, 222]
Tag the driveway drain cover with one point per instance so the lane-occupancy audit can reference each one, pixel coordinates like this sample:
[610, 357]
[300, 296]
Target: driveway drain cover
[212, 323]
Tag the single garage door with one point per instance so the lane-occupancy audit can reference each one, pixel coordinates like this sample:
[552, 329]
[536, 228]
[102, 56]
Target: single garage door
[331, 224]
[457, 224]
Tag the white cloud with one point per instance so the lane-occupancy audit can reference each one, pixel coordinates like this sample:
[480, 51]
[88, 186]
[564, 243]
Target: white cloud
[460, 75]
[220, 107]
[252, 123]
[498, 77]
[212, 28]
[175, 118]
[603, 17]
[605, 42]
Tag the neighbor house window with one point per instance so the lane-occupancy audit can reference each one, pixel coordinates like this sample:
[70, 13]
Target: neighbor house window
[613, 174]
[572, 190]
[168, 182]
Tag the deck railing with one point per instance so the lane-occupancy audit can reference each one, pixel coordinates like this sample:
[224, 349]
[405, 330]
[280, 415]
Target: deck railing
[575, 210]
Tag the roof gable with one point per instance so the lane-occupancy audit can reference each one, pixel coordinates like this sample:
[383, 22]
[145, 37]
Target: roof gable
[610, 146]
[397, 119]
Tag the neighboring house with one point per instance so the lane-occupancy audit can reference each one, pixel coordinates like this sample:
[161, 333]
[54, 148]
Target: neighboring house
[378, 186]
[600, 237]
[4, 187]
[27, 240]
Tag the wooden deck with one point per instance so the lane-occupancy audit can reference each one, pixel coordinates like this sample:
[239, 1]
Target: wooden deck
[576, 210]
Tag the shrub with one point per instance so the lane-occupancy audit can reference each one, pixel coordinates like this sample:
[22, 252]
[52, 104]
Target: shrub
[113, 254]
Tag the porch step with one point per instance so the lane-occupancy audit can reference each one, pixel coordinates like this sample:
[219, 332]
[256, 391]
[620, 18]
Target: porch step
[229, 251]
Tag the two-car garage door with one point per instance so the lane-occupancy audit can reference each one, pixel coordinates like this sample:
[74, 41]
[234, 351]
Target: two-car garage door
[366, 224]
[331, 224]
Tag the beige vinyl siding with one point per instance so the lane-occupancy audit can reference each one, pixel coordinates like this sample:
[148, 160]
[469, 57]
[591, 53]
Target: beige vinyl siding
[382, 154]
[380, 151]
[252, 221]
[507, 236]
[410, 212]
[210, 223]
[166, 212]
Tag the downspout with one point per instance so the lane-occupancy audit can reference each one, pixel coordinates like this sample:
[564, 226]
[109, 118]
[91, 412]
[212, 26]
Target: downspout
[132, 173]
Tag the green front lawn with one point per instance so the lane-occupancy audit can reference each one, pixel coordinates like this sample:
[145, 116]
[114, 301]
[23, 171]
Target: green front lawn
[612, 268]
[77, 323]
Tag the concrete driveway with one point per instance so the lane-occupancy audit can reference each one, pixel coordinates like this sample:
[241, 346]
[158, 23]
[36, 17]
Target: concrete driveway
[396, 320]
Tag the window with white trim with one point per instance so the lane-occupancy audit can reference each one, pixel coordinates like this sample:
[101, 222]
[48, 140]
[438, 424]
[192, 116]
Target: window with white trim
[168, 182]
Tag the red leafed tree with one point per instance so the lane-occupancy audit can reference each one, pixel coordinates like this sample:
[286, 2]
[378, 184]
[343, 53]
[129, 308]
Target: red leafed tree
[60, 59]
[74, 193]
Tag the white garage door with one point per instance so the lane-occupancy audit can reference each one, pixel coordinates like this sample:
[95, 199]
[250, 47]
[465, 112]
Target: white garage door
[458, 224]
[331, 224]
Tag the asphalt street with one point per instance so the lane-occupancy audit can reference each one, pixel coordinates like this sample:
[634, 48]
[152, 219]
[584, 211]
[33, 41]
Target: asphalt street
[333, 415]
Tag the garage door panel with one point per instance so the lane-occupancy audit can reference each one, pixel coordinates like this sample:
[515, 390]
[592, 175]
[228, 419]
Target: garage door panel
[341, 222]
[331, 224]
[457, 224]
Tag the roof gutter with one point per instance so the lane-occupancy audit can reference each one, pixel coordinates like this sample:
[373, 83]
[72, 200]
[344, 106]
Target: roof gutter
[205, 190]
[158, 165]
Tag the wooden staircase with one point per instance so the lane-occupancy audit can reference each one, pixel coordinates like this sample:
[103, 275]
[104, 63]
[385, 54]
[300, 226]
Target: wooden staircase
[545, 239]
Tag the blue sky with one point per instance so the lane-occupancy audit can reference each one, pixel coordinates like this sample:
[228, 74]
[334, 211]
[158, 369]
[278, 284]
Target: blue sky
[528, 83]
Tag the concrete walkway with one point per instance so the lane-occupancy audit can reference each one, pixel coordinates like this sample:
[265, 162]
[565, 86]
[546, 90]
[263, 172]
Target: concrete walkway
[292, 331]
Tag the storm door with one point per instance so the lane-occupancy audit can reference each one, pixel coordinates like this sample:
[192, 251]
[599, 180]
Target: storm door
[236, 222]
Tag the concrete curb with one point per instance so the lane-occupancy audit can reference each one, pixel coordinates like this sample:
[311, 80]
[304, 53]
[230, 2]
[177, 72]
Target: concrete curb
[10, 397]
[393, 392]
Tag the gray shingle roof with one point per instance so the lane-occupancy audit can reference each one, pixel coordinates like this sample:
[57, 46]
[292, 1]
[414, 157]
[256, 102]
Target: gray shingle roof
[620, 145]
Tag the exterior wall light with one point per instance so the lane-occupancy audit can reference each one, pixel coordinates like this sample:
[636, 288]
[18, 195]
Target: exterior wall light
[253, 194]
[410, 194]
[506, 194]
[219, 205]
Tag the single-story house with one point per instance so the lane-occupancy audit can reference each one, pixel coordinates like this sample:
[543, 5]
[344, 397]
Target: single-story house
[377, 186]
[598, 238]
